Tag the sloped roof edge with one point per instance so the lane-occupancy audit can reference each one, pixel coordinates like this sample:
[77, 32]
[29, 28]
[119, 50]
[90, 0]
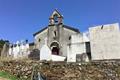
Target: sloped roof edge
[40, 31]
[71, 28]
[65, 26]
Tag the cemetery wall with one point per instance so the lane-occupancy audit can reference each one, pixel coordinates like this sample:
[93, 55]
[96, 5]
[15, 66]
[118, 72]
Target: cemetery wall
[64, 71]
[105, 42]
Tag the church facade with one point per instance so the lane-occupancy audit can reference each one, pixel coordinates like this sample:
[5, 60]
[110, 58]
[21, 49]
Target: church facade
[59, 36]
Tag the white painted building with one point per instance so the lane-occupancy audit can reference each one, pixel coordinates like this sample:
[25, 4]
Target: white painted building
[77, 49]
[105, 42]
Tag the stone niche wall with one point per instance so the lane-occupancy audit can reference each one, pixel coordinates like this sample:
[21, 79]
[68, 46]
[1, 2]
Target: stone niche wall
[64, 71]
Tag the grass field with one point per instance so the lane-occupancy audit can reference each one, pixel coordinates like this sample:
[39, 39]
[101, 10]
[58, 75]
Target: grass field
[7, 76]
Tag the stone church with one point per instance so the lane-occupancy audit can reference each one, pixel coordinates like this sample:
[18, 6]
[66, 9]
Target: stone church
[59, 42]
[58, 35]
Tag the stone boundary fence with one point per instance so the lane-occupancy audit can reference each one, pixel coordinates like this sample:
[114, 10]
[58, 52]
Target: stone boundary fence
[100, 70]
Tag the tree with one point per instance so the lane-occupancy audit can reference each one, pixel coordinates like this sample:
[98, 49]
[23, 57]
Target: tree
[2, 42]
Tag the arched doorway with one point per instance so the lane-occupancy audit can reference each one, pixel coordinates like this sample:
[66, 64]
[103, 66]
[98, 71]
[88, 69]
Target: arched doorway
[55, 48]
[55, 51]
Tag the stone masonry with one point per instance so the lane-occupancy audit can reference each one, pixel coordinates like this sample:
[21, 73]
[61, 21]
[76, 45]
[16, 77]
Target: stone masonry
[64, 71]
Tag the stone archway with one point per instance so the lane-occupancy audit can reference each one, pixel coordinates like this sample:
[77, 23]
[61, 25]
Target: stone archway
[55, 48]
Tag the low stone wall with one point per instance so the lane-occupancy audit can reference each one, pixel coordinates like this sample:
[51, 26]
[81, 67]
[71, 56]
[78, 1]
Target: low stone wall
[64, 71]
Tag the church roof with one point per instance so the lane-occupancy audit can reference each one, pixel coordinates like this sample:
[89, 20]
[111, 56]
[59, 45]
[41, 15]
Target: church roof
[40, 31]
[71, 28]
[65, 26]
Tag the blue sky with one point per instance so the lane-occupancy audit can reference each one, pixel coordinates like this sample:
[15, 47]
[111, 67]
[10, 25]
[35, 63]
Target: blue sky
[19, 19]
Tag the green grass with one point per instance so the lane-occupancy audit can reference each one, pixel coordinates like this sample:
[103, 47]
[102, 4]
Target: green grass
[7, 75]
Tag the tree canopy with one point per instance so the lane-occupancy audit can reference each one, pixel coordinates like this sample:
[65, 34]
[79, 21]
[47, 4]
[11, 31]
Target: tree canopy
[2, 42]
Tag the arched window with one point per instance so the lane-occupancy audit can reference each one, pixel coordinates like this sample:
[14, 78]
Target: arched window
[39, 40]
[69, 37]
[55, 33]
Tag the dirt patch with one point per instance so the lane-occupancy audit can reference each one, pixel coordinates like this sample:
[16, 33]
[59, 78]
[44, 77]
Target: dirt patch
[3, 78]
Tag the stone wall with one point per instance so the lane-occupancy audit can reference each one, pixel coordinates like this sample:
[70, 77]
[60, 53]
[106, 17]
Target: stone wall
[64, 71]
[39, 39]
